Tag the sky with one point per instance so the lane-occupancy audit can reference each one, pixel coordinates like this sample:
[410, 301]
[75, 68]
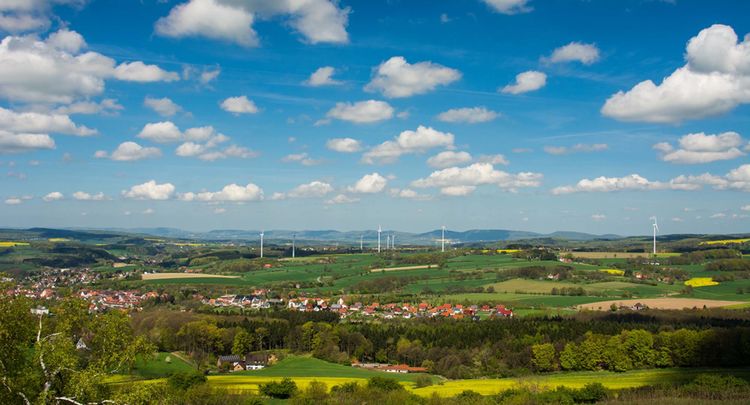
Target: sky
[589, 116]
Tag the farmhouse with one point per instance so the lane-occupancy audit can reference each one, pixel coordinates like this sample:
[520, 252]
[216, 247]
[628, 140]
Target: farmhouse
[257, 361]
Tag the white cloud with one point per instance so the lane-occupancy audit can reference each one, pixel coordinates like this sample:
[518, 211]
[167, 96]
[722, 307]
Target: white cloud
[19, 143]
[362, 112]
[598, 217]
[701, 148]
[344, 145]
[718, 215]
[577, 148]
[369, 184]
[48, 71]
[677, 219]
[13, 201]
[230, 193]
[509, 6]
[463, 180]
[317, 20]
[408, 142]
[408, 193]
[129, 152]
[163, 106]
[53, 196]
[342, 199]
[715, 79]
[471, 115]
[397, 78]
[29, 15]
[526, 82]
[140, 72]
[322, 77]
[314, 189]
[84, 196]
[34, 122]
[150, 190]
[209, 75]
[107, 106]
[302, 158]
[494, 159]
[574, 52]
[449, 158]
[745, 207]
[239, 105]
[161, 132]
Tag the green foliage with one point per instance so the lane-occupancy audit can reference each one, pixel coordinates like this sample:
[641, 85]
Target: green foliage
[183, 380]
[591, 393]
[422, 381]
[243, 343]
[283, 389]
[543, 357]
[384, 384]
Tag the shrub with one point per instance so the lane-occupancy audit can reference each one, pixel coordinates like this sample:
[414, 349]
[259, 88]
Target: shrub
[384, 384]
[591, 393]
[185, 379]
[279, 389]
[423, 380]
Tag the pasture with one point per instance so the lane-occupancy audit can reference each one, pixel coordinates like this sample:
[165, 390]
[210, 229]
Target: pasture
[661, 303]
[619, 255]
[168, 276]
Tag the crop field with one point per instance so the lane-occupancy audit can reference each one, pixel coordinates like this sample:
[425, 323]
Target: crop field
[662, 303]
[696, 282]
[424, 266]
[725, 242]
[13, 244]
[618, 255]
[166, 276]
[614, 272]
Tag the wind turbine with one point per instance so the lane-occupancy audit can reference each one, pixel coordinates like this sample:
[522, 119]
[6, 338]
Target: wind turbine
[379, 231]
[294, 239]
[387, 242]
[361, 243]
[393, 241]
[442, 240]
[656, 229]
[261, 244]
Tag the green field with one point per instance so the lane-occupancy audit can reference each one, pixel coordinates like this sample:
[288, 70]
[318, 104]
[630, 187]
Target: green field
[158, 366]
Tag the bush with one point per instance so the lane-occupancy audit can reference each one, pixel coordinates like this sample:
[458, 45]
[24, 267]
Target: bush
[183, 380]
[384, 384]
[423, 380]
[279, 389]
[591, 393]
[348, 388]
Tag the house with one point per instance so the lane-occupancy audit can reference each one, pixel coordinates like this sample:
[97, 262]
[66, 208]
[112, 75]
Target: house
[257, 361]
[402, 369]
[40, 311]
[229, 360]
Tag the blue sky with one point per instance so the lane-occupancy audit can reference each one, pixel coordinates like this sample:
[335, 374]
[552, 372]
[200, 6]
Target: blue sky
[311, 114]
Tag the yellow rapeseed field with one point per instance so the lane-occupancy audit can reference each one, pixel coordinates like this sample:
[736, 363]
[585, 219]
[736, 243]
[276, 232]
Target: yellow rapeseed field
[615, 272]
[12, 244]
[508, 250]
[725, 241]
[701, 282]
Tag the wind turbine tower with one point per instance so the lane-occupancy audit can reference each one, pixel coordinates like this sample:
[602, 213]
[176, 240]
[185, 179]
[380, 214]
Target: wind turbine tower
[656, 229]
[393, 241]
[442, 240]
[261, 244]
[361, 243]
[387, 242]
[379, 231]
[294, 240]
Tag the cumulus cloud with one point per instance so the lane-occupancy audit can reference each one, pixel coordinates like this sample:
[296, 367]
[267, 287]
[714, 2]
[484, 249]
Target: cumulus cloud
[449, 158]
[598, 217]
[230, 193]
[464, 180]
[84, 196]
[408, 193]
[34, 122]
[323, 76]
[13, 201]
[577, 148]
[342, 199]
[715, 79]
[526, 82]
[150, 190]
[344, 145]
[239, 105]
[302, 158]
[161, 132]
[11, 142]
[369, 184]
[574, 52]
[107, 106]
[509, 6]
[53, 196]
[408, 142]
[55, 71]
[200, 142]
[493, 159]
[468, 115]
[362, 112]
[736, 179]
[163, 106]
[701, 148]
[396, 77]
[129, 152]
[319, 21]
[18, 16]
[314, 189]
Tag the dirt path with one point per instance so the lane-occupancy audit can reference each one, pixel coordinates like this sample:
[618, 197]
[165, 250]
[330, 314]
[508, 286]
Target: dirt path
[425, 266]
